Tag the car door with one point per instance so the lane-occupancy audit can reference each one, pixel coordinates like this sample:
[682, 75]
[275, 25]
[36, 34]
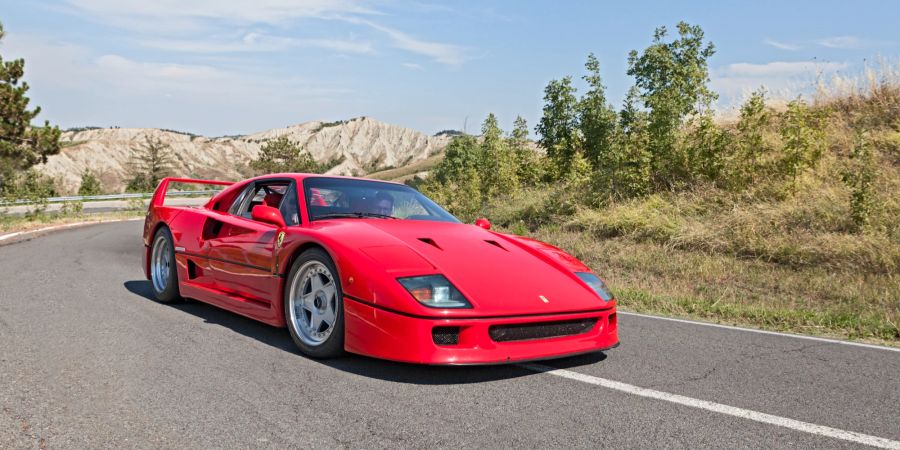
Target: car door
[241, 254]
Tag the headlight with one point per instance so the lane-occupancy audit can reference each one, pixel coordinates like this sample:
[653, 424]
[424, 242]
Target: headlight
[434, 291]
[596, 284]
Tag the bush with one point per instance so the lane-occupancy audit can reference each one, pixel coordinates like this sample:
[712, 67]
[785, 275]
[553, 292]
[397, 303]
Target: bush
[90, 184]
[860, 177]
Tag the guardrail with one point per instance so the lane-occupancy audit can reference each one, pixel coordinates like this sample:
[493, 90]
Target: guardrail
[87, 198]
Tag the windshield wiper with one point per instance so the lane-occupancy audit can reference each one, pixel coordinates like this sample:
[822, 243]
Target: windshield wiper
[355, 215]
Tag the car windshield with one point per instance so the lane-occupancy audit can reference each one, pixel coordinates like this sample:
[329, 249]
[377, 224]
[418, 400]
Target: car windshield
[332, 198]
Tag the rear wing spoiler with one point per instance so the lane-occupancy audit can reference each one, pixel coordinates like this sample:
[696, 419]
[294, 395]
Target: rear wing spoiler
[159, 196]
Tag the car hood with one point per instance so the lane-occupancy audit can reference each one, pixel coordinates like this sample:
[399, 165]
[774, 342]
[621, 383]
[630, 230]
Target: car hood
[499, 274]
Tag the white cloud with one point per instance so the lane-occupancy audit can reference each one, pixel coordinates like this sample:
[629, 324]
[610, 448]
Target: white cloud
[256, 42]
[112, 89]
[781, 79]
[198, 23]
[782, 45]
[413, 66]
[192, 14]
[841, 42]
[780, 68]
[448, 54]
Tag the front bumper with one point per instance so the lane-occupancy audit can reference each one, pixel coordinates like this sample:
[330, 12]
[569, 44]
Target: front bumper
[380, 333]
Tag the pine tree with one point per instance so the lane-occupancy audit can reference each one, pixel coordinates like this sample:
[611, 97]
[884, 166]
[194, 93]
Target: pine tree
[282, 155]
[150, 163]
[21, 144]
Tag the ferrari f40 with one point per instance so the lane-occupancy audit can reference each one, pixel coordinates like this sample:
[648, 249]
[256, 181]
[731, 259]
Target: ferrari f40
[374, 268]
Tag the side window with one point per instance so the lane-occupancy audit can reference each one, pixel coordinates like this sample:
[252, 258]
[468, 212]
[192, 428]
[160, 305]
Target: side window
[269, 194]
[290, 206]
[235, 208]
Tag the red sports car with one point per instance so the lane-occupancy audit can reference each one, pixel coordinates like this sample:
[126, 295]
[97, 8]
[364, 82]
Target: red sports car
[375, 268]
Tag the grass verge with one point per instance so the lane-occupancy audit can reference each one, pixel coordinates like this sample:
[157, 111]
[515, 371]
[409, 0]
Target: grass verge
[653, 278]
[12, 224]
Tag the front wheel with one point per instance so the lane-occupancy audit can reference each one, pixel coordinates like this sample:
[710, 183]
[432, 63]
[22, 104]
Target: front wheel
[313, 305]
[163, 275]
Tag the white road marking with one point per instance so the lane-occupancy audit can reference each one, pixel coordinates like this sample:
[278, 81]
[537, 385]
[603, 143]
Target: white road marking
[774, 333]
[792, 424]
[61, 227]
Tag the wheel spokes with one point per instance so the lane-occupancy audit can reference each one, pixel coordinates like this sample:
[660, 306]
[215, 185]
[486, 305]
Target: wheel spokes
[315, 321]
[329, 290]
[328, 315]
[313, 303]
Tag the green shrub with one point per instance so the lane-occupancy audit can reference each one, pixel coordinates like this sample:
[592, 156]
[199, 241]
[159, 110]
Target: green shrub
[90, 184]
[860, 177]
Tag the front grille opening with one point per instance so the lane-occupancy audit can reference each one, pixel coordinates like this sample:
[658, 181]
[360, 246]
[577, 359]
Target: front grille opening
[540, 330]
[612, 321]
[445, 335]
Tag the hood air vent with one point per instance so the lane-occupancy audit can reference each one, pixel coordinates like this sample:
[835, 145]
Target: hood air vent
[496, 244]
[431, 242]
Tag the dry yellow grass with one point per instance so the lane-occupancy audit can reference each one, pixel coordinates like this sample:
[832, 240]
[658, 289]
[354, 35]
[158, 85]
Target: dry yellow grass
[777, 256]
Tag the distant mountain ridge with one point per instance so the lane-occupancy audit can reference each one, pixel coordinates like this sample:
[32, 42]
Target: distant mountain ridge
[364, 144]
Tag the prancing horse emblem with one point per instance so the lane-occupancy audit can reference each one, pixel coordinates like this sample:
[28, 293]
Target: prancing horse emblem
[279, 239]
[543, 299]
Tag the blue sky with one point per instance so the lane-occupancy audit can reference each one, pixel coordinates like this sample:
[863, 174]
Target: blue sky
[219, 67]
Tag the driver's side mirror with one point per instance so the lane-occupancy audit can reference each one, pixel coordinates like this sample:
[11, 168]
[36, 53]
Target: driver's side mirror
[483, 223]
[267, 214]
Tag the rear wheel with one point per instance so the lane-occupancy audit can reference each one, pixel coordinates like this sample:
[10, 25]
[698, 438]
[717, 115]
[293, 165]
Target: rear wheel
[313, 305]
[163, 275]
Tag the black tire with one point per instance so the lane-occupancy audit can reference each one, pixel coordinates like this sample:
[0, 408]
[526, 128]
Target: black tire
[165, 289]
[333, 345]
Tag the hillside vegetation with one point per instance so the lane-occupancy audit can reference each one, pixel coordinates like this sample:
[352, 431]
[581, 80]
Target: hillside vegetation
[783, 218]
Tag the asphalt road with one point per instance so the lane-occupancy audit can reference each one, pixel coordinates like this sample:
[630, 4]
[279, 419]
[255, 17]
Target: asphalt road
[87, 360]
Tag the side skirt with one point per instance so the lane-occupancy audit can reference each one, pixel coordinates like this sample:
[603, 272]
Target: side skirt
[252, 309]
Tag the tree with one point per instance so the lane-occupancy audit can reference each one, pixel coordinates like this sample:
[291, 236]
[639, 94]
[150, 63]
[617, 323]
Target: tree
[803, 137]
[497, 161]
[21, 145]
[750, 141]
[596, 117]
[631, 161]
[460, 157]
[529, 164]
[455, 182]
[283, 155]
[860, 178]
[90, 185]
[461, 197]
[672, 79]
[559, 124]
[150, 163]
